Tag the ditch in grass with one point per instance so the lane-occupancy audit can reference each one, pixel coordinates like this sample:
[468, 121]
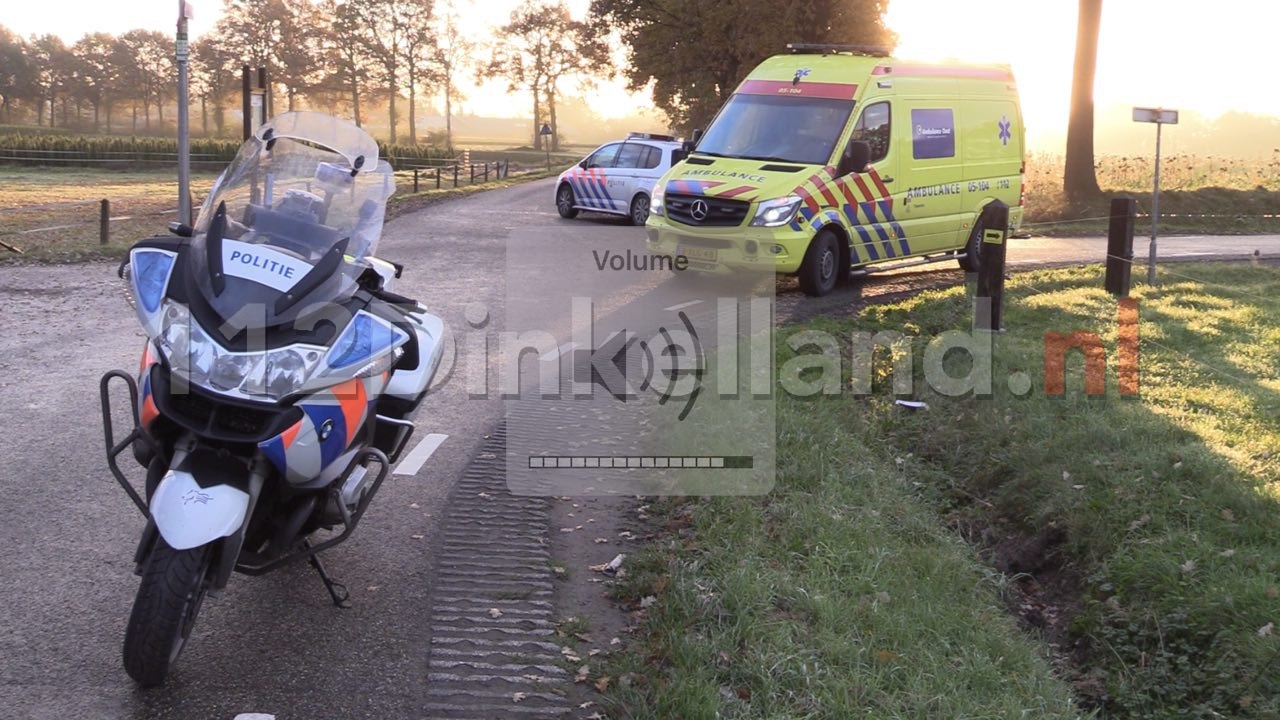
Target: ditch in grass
[1125, 550]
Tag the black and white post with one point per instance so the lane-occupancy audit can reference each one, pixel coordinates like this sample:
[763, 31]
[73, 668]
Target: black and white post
[182, 53]
[1160, 117]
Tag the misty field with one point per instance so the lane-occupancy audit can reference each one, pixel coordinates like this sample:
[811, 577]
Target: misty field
[1198, 193]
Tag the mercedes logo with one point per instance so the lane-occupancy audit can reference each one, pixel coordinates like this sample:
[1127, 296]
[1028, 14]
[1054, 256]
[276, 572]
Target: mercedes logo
[699, 210]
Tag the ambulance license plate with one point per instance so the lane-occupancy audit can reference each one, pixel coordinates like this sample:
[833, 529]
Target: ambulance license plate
[696, 253]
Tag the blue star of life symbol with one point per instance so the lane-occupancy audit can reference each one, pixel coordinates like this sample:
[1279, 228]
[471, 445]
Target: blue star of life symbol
[801, 73]
[1005, 130]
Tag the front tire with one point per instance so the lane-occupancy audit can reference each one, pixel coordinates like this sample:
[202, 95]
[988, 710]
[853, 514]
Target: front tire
[164, 611]
[565, 201]
[820, 272]
[639, 209]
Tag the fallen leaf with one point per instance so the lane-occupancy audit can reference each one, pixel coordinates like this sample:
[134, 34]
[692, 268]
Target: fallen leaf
[601, 541]
[886, 656]
[417, 537]
[594, 652]
[725, 657]
[1227, 553]
[566, 530]
[1177, 465]
[517, 697]
[1266, 630]
[647, 601]
[585, 705]
[1228, 515]
[596, 716]
[495, 613]
[615, 641]
[413, 505]
[603, 683]
[1139, 522]
[1273, 592]
[1077, 487]
[584, 637]
[1188, 567]
[882, 597]
[583, 672]
[1066, 476]
[744, 693]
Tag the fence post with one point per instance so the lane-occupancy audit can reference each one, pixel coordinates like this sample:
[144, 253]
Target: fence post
[472, 167]
[486, 171]
[989, 303]
[455, 175]
[415, 180]
[438, 169]
[104, 221]
[1120, 246]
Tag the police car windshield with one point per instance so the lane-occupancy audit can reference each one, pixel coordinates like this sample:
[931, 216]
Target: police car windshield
[781, 129]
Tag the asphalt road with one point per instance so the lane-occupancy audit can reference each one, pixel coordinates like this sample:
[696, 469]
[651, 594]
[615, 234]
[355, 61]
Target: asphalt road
[275, 644]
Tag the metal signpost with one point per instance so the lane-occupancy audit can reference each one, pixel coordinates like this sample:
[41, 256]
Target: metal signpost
[181, 54]
[545, 132]
[1160, 117]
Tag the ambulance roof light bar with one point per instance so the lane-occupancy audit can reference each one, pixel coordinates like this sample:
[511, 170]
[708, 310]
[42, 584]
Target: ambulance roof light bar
[830, 49]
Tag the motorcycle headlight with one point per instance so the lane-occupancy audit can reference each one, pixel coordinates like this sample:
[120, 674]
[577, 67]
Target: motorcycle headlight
[655, 199]
[194, 355]
[776, 213]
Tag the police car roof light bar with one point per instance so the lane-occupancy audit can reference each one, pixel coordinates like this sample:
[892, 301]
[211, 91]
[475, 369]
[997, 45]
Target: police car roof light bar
[650, 136]
[829, 49]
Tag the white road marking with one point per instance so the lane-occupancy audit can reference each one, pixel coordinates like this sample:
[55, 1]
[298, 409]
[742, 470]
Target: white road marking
[564, 349]
[682, 306]
[418, 456]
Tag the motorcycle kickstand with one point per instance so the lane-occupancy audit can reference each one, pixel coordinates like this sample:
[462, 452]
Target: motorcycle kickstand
[337, 591]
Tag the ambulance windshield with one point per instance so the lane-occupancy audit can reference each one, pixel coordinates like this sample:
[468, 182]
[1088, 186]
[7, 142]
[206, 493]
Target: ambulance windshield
[782, 129]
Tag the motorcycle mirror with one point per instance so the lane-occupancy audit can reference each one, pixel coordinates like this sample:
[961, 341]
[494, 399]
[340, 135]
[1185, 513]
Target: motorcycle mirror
[181, 229]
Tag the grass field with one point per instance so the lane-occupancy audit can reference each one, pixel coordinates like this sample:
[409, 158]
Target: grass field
[1134, 539]
[1198, 194]
[52, 215]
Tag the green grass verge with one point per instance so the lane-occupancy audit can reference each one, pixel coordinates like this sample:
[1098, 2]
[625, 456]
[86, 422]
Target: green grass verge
[848, 593]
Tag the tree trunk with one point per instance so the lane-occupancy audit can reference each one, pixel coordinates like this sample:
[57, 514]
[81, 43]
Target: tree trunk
[391, 109]
[1079, 180]
[413, 101]
[204, 115]
[537, 115]
[448, 113]
[551, 110]
[355, 99]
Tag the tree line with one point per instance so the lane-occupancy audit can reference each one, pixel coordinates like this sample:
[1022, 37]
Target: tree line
[335, 55]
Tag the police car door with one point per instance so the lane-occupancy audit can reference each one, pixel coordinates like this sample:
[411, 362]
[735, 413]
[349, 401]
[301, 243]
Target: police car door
[592, 179]
[624, 177]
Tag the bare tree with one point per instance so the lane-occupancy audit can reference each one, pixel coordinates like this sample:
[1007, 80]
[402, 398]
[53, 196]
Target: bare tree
[1079, 180]
[544, 47]
[452, 56]
[419, 53]
[387, 26]
[345, 53]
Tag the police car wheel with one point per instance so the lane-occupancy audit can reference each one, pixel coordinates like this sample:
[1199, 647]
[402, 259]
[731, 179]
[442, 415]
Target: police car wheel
[564, 202]
[972, 260]
[820, 272]
[639, 209]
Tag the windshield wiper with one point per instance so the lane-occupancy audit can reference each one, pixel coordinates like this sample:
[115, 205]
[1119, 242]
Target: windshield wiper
[772, 158]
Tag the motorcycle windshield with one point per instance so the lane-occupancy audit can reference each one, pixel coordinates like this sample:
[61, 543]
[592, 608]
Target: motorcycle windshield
[290, 221]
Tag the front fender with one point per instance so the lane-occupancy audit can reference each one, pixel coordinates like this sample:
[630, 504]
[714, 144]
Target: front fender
[189, 516]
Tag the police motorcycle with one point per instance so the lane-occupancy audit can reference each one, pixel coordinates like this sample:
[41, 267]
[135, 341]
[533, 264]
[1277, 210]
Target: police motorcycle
[277, 378]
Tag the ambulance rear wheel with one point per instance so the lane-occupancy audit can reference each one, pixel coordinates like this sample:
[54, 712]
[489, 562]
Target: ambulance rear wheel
[564, 202]
[972, 260]
[820, 272]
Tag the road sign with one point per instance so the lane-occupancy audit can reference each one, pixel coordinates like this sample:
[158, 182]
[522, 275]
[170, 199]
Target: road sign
[1160, 117]
[1155, 115]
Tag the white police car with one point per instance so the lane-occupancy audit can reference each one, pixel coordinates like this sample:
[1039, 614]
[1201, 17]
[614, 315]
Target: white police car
[617, 177]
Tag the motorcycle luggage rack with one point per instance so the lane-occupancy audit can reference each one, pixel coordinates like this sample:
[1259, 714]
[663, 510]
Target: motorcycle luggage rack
[114, 449]
[350, 518]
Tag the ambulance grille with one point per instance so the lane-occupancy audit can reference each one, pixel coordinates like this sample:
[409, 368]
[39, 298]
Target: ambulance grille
[720, 212]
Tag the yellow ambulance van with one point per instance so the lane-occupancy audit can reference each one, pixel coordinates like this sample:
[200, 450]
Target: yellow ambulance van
[832, 158]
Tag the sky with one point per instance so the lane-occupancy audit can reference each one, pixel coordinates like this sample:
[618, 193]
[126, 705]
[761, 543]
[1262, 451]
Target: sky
[1153, 53]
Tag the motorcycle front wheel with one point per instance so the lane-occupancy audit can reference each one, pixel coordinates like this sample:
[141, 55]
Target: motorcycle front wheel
[173, 586]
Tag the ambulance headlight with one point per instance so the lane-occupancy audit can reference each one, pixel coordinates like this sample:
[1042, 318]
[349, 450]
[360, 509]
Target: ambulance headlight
[776, 213]
[655, 200]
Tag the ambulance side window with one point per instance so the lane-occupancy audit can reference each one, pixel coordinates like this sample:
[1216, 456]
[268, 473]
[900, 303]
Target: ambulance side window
[873, 126]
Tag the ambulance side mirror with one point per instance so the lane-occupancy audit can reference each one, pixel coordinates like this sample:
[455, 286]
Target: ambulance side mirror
[855, 158]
